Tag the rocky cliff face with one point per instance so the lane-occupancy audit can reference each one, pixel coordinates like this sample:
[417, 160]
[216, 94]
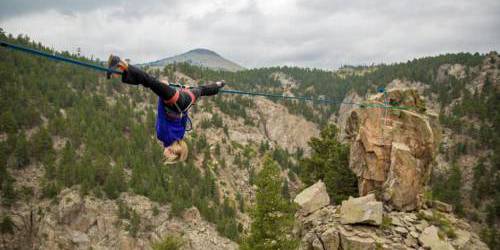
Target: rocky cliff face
[392, 150]
[73, 221]
[287, 130]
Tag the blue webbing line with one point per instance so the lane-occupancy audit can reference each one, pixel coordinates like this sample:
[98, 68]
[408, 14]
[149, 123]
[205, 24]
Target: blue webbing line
[302, 98]
[228, 91]
[57, 57]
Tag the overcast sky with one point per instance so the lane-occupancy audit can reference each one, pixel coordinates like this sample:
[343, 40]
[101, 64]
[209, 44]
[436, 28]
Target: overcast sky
[256, 33]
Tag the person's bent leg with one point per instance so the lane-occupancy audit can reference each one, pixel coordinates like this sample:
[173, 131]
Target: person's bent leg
[134, 75]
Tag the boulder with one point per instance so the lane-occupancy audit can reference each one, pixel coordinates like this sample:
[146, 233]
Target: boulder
[313, 198]
[392, 151]
[430, 239]
[365, 210]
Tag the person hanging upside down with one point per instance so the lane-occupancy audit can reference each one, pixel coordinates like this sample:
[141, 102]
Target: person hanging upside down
[173, 106]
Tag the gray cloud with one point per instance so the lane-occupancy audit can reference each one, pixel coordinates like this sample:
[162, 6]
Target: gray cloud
[22, 7]
[132, 8]
[312, 33]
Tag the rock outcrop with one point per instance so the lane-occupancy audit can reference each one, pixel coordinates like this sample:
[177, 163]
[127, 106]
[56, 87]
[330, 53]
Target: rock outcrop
[313, 198]
[393, 149]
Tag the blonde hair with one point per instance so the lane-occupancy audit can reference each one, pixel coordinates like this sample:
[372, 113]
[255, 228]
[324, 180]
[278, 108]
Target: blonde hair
[180, 152]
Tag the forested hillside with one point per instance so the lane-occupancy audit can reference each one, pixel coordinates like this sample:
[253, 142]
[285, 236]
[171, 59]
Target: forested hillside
[67, 128]
[103, 135]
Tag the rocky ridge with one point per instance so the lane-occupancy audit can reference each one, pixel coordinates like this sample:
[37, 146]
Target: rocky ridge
[358, 224]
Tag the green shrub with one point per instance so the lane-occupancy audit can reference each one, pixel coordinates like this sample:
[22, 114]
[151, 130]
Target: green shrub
[439, 220]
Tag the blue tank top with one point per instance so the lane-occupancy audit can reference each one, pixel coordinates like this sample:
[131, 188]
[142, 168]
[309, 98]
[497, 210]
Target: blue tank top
[169, 129]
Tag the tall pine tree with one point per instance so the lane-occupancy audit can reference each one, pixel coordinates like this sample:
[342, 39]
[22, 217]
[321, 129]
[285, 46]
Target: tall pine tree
[273, 215]
[329, 162]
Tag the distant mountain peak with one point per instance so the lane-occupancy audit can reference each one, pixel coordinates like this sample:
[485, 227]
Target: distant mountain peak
[203, 51]
[199, 57]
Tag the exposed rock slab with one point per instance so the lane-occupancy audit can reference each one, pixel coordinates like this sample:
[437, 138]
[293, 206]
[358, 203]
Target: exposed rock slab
[366, 210]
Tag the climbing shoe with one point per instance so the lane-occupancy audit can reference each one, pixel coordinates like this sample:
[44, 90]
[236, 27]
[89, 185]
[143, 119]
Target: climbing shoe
[212, 89]
[116, 64]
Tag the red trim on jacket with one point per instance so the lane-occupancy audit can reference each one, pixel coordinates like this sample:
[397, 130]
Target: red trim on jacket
[172, 99]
